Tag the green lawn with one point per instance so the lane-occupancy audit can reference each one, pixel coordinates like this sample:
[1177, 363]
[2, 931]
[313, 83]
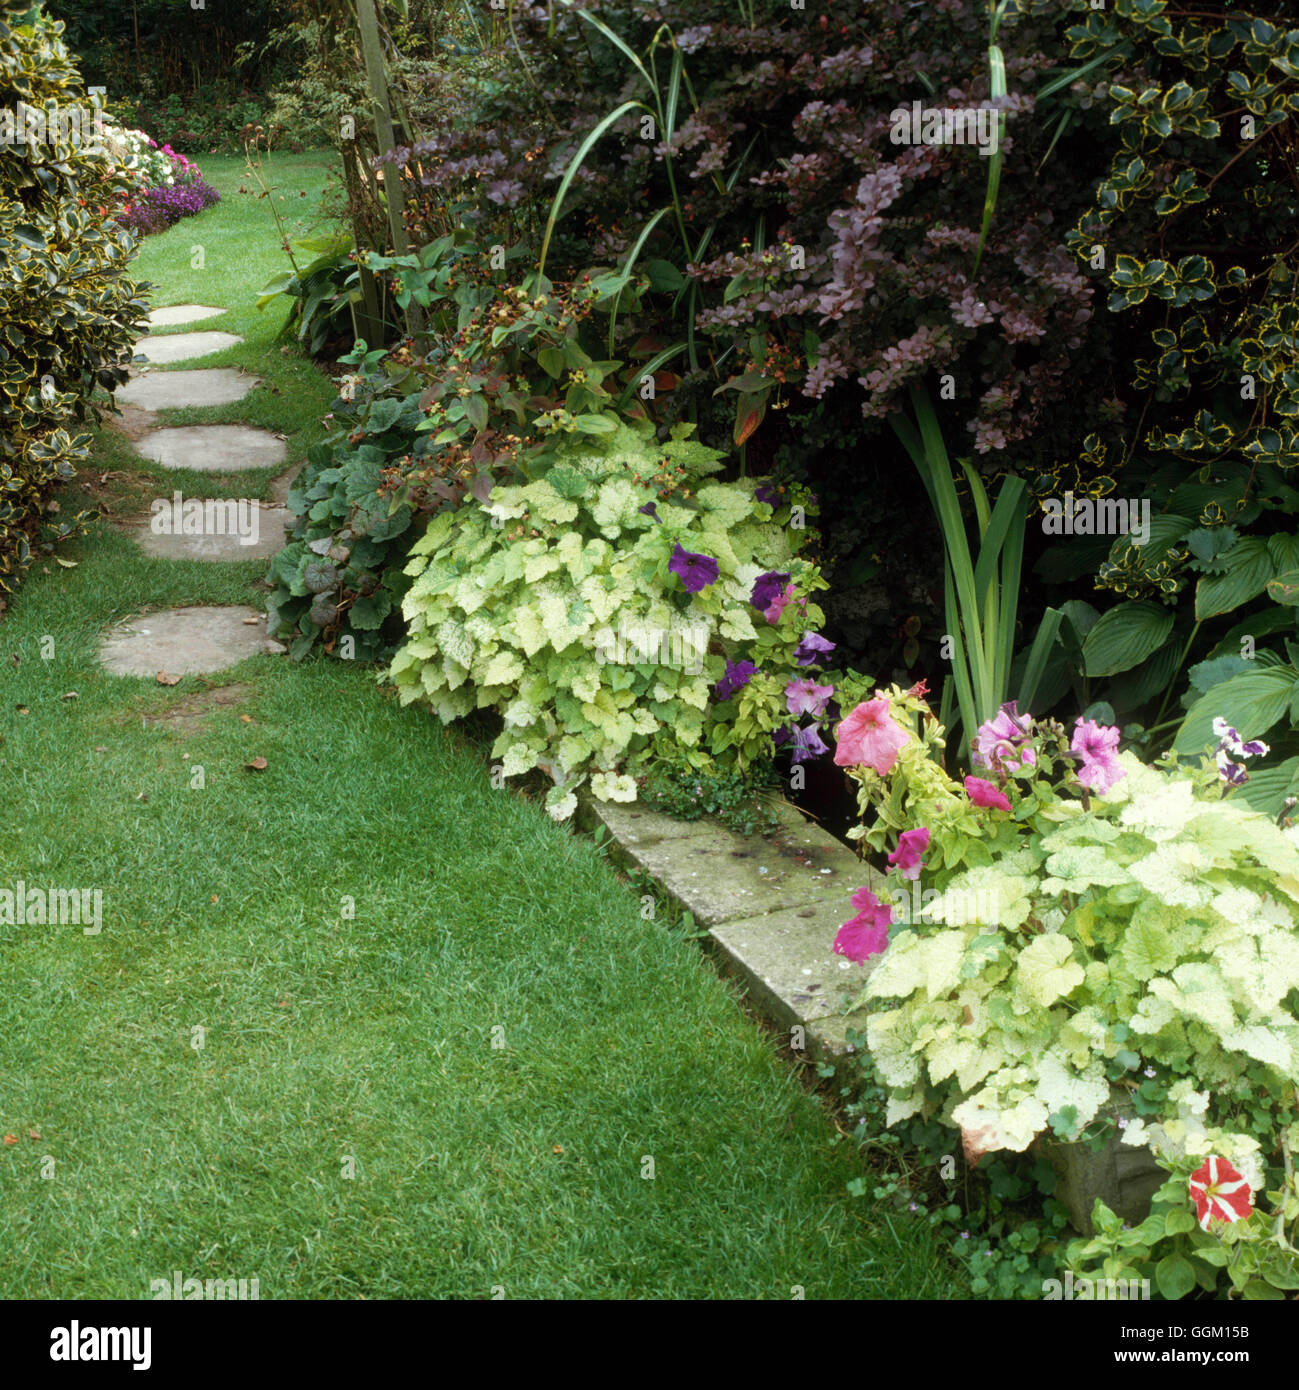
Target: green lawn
[347, 929]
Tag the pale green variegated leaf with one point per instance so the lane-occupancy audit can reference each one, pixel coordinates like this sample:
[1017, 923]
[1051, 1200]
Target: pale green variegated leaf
[913, 962]
[891, 1037]
[1262, 1043]
[1061, 1086]
[1081, 866]
[1199, 991]
[1173, 874]
[990, 1121]
[1047, 970]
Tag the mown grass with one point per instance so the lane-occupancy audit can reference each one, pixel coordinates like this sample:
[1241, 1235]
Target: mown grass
[357, 1025]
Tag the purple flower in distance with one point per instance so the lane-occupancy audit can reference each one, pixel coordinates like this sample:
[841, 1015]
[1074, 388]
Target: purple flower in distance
[1001, 743]
[810, 650]
[738, 675]
[695, 571]
[650, 509]
[767, 495]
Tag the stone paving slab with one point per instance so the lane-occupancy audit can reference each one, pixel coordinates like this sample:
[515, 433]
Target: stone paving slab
[213, 448]
[786, 961]
[185, 641]
[183, 313]
[174, 390]
[280, 486]
[270, 526]
[178, 347]
[719, 875]
[630, 823]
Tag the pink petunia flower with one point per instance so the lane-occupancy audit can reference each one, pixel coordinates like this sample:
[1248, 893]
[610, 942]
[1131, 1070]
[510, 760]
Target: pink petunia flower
[806, 697]
[867, 934]
[985, 794]
[1001, 742]
[1097, 745]
[1220, 1193]
[912, 845]
[868, 737]
[777, 605]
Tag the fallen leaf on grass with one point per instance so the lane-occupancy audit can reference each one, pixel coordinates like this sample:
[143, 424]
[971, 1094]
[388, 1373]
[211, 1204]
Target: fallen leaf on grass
[246, 718]
[101, 748]
[33, 1134]
[71, 695]
[164, 679]
[67, 564]
[11, 1138]
[142, 796]
[257, 765]
[22, 709]
[556, 1150]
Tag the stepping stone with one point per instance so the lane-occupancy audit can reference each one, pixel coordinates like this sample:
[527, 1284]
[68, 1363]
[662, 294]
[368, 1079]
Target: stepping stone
[176, 347]
[182, 313]
[172, 390]
[213, 448]
[185, 641]
[267, 523]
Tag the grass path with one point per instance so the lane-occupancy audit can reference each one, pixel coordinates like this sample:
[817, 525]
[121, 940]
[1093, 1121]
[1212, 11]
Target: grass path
[346, 929]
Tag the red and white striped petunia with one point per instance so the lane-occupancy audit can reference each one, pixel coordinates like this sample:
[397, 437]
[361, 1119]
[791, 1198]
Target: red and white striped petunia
[1220, 1193]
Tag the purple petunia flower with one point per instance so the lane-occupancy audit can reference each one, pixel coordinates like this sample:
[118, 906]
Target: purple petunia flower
[738, 675]
[766, 589]
[767, 495]
[808, 744]
[811, 649]
[695, 571]
[782, 735]
[650, 509]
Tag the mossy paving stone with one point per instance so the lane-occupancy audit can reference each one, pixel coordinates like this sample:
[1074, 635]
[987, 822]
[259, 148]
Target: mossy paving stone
[185, 641]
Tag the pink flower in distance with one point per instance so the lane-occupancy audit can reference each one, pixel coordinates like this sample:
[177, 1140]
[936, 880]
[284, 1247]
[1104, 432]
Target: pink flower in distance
[1097, 745]
[985, 794]
[868, 737]
[912, 845]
